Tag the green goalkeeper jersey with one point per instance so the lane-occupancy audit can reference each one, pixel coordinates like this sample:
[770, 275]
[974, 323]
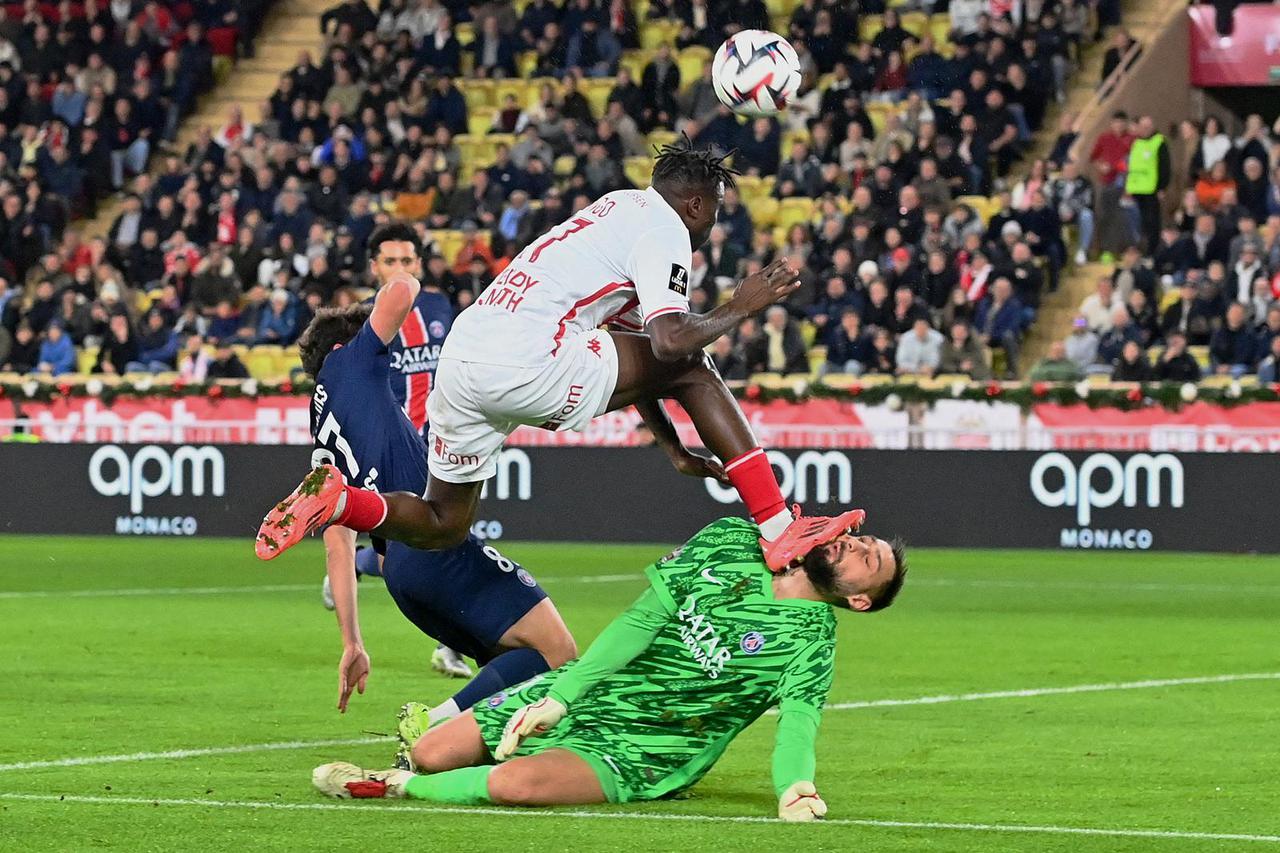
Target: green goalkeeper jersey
[702, 655]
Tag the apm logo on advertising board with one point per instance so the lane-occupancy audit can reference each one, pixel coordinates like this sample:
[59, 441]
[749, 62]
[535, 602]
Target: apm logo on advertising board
[1100, 482]
[814, 475]
[153, 471]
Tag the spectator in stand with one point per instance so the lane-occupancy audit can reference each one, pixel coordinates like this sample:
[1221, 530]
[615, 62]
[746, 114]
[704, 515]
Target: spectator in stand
[999, 321]
[849, 350]
[119, 347]
[1071, 194]
[728, 359]
[1233, 350]
[1055, 366]
[1269, 367]
[1132, 366]
[279, 324]
[24, 351]
[226, 364]
[785, 349]
[57, 354]
[920, 350]
[1175, 363]
[1100, 306]
[1212, 184]
[883, 357]
[193, 366]
[1150, 170]
[1082, 344]
[1123, 330]
[963, 354]
[157, 345]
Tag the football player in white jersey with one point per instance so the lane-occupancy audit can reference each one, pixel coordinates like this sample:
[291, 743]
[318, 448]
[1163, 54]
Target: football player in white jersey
[591, 317]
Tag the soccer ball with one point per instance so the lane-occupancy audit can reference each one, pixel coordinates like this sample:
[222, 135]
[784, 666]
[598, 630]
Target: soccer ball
[756, 73]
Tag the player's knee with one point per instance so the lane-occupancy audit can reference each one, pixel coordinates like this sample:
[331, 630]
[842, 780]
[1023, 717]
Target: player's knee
[511, 785]
[560, 650]
[426, 758]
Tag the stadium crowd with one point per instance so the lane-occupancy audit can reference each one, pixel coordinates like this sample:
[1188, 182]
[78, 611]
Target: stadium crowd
[874, 182]
[1206, 277]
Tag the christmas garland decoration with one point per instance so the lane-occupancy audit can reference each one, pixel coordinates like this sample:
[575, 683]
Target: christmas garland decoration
[1126, 397]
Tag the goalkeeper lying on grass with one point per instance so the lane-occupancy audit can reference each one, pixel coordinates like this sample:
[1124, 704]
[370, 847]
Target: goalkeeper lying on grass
[713, 643]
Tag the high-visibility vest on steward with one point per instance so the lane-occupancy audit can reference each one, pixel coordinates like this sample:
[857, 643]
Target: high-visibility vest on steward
[1144, 166]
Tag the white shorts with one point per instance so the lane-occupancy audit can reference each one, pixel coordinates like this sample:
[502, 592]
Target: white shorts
[473, 407]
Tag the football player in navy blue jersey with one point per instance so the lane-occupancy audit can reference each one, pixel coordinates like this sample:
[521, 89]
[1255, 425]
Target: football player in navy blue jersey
[471, 597]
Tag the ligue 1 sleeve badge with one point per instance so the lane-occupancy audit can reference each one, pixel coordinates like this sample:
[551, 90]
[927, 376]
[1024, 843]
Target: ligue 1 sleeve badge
[752, 642]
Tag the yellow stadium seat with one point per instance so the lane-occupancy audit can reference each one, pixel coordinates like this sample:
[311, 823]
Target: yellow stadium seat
[597, 94]
[638, 170]
[465, 32]
[86, 358]
[480, 121]
[779, 8]
[808, 332]
[502, 88]
[691, 61]
[635, 61]
[563, 167]
[659, 138]
[261, 365]
[1249, 381]
[869, 26]
[940, 28]
[915, 23]
[477, 93]
[448, 242]
[794, 210]
[655, 33]
[527, 62]
[763, 211]
[1216, 381]
[1201, 355]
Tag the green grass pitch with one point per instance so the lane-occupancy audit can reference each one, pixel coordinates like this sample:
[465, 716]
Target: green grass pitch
[202, 648]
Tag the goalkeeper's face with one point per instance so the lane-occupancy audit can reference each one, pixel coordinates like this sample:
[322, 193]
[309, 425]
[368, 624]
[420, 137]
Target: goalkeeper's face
[851, 571]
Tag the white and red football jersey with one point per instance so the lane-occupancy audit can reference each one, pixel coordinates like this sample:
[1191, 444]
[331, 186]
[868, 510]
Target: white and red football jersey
[624, 260]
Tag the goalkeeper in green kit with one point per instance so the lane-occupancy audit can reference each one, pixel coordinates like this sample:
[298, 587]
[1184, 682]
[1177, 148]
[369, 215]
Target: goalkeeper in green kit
[714, 642]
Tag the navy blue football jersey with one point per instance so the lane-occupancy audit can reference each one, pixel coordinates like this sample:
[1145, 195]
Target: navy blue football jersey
[357, 423]
[415, 352]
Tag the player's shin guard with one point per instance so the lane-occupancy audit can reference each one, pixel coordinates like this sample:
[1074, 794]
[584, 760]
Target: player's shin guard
[753, 477]
[505, 670]
[361, 510]
[466, 786]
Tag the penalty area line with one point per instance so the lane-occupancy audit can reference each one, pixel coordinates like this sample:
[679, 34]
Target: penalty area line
[1112, 832]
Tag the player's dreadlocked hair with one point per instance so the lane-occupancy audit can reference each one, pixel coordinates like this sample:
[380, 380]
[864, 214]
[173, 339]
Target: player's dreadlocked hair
[330, 327]
[681, 168]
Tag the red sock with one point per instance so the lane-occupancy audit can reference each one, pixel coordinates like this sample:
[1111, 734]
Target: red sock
[753, 477]
[364, 511]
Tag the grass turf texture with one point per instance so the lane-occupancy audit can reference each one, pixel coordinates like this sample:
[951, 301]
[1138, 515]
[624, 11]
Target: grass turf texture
[97, 675]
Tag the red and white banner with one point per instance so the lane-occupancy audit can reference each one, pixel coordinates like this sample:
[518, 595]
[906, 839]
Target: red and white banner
[815, 423]
[1250, 56]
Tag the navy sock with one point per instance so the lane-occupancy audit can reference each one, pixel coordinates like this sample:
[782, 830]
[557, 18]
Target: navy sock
[367, 562]
[503, 671]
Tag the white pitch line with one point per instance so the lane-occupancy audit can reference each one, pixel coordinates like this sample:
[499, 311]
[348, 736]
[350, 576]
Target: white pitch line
[81, 761]
[1172, 834]
[187, 753]
[1149, 684]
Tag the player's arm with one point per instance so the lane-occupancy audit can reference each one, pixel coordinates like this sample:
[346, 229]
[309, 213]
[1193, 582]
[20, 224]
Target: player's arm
[803, 692]
[340, 563]
[658, 265]
[677, 335]
[687, 462]
[392, 305]
[615, 647]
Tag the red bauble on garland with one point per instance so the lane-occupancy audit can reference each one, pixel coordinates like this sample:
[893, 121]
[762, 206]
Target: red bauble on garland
[994, 389]
[1134, 395]
[214, 392]
[752, 391]
[1039, 389]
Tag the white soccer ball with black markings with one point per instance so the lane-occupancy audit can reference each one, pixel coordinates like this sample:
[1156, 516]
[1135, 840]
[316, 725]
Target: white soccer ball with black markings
[756, 73]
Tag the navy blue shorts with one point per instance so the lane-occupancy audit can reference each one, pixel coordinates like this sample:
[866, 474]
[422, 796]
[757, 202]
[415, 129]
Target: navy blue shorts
[466, 597]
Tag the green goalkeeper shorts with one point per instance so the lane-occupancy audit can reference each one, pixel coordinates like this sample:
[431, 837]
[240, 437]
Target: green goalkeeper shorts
[627, 773]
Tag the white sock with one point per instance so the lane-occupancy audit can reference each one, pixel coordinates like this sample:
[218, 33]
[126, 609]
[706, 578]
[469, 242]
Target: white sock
[446, 710]
[774, 526]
